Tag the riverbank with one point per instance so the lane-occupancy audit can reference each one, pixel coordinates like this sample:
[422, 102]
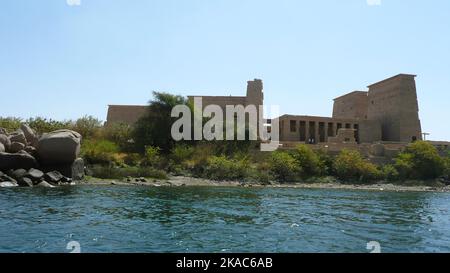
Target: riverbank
[183, 181]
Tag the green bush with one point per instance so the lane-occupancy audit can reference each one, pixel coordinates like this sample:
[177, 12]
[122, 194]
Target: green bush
[390, 173]
[222, 168]
[447, 166]
[132, 159]
[420, 160]
[350, 166]
[99, 151]
[284, 167]
[325, 163]
[109, 172]
[308, 160]
[152, 157]
[196, 165]
[88, 126]
[43, 125]
[181, 153]
[10, 123]
[121, 135]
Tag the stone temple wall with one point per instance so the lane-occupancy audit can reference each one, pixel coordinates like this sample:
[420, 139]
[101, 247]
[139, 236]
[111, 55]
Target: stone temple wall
[125, 114]
[393, 102]
[352, 105]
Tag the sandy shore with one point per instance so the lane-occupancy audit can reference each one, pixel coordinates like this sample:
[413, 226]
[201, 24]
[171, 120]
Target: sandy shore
[182, 181]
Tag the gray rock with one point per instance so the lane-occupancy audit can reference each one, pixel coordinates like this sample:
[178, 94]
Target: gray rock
[16, 147]
[2, 148]
[18, 136]
[25, 182]
[59, 147]
[31, 150]
[3, 131]
[20, 160]
[35, 175]
[66, 180]
[6, 178]
[8, 184]
[74, 170]
[18, 174]
[45, 184]
[30, 134]
[5, 141]
[53, 177]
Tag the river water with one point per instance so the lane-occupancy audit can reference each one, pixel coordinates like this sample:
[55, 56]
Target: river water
[216, 219]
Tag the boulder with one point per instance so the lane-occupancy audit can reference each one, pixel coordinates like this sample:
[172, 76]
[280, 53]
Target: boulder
[53, 177]
[8, 184]
[3, 131]
[18, 174]
[5, 141]
[30, 134]
[75, 170]
[2, 148]
[16, 147]
[59, 147]
[18, 136]
[25, 182]
[45, 184]
[66, 180]
[35, 175]
[6, 178]
[20, 160]
[31, 150]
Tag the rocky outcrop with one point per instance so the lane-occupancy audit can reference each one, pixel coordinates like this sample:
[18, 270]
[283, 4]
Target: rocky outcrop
[18, 136]
[20, 160]
[45, 184]
[53, 177]
[8, 184]
[28, 160]
[59, 147]
[16, 147]
[30, 134]
[5, 141]
[25, 182]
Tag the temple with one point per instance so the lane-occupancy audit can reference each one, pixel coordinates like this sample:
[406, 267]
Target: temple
[387, 114]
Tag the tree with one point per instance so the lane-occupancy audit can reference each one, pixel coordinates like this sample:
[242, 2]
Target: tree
[154, 129]
[307, 159]
[420, 160]
[350, 166]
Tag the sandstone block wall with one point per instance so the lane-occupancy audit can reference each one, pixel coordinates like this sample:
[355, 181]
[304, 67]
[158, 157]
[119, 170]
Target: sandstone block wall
[393, 102]
[351, 106]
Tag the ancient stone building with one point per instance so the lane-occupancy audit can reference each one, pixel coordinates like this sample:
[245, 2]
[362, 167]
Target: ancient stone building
[393, 103]
[254, 96]
[125, 114]
[387, 112]
[129, 114]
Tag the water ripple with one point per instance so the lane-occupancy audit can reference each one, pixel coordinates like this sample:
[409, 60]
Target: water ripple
[202, 219]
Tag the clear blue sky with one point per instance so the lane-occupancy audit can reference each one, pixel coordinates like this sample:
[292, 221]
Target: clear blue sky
[63, 61]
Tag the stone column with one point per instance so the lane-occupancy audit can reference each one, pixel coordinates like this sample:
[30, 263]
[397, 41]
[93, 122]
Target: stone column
[326, 131]
[307, 131]
[316, 133]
